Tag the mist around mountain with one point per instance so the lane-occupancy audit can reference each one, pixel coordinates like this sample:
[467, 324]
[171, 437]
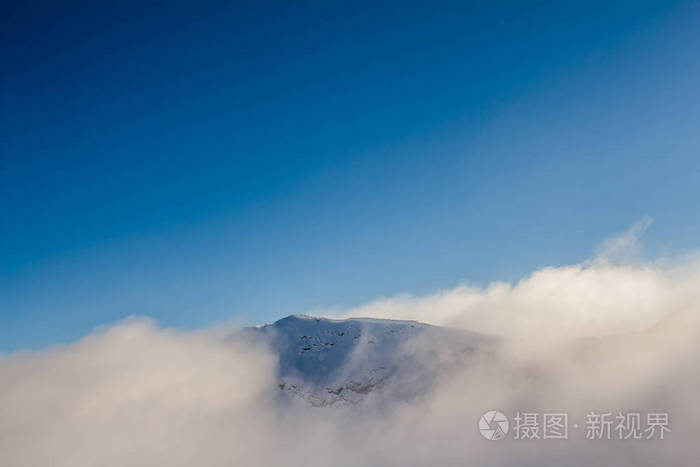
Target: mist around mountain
[308, 391]
[329, 362]
[319, 392]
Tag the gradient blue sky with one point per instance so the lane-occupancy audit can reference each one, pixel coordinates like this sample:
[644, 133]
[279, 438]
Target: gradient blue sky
[224, 160]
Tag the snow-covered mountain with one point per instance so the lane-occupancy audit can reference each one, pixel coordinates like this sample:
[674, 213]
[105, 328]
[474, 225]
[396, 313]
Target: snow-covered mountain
[343, 362]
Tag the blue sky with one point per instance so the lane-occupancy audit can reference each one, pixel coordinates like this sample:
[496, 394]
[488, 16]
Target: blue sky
[213, 161]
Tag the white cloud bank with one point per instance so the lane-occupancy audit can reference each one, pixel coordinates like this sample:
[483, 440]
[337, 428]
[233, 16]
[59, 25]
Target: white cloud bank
[615, 292]
[135, 394]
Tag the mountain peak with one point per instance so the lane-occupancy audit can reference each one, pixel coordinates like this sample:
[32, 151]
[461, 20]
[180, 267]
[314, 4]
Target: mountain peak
[341, 361]
[320, 319]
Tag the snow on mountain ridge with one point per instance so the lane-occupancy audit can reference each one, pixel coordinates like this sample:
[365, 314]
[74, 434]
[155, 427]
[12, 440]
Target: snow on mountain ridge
[384, 321]
[331, 362]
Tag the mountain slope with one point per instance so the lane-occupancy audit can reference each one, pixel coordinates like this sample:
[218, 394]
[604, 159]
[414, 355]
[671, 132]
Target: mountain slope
[343, 362]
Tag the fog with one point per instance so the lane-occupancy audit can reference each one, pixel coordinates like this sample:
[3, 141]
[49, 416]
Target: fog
[615, 333]
[616, 291]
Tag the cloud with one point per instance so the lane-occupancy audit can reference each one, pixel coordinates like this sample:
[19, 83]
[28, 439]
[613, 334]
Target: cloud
[134, 394]
[614, 292]
[626, 247]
